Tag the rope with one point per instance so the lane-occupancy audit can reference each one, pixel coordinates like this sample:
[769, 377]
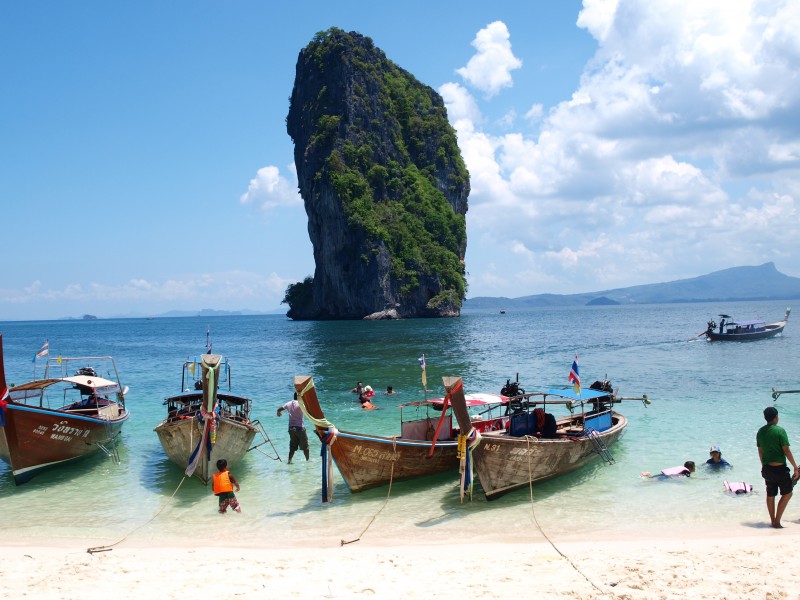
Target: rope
[108, 547]
[385, 502]
[539, 527]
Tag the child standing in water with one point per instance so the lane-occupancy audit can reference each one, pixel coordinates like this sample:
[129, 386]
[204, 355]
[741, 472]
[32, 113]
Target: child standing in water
[224, 482]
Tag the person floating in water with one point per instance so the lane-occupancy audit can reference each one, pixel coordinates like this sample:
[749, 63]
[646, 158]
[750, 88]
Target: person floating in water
[365, 403]
[685, 471]
[390, 391]
[716, 459]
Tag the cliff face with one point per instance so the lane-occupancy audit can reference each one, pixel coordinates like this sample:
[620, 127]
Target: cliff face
[384, 186]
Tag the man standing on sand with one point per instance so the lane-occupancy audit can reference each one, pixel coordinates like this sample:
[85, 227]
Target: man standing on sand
[773, 450]
[297, 430]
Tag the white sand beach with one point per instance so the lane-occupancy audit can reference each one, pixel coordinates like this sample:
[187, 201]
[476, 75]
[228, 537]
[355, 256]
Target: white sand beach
[756, 562]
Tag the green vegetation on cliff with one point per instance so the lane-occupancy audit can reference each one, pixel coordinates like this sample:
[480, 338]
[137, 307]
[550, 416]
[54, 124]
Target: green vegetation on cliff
[389, 153]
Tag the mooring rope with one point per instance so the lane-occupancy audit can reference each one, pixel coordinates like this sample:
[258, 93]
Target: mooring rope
[385, 502]
[539, 527]
[108, 547]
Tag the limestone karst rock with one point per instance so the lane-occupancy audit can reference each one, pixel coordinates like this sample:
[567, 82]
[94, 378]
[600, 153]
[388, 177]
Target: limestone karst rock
[384, 186]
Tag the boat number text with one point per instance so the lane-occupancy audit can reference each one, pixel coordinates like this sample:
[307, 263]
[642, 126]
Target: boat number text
[62, 432]
[373, 455]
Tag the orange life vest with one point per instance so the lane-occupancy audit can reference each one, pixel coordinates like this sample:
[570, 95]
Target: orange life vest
[368, 405]
[222, 482]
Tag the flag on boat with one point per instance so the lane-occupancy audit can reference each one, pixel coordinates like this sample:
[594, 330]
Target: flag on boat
[208, 340]
[424, 377]
[43, 351]
[574, 377]
[3, 404]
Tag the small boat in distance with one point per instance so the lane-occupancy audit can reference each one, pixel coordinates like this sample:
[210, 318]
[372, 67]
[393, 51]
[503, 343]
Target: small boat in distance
[536, 445]
[427, 443]
[204, 423]
[741, 331]
[69, 414]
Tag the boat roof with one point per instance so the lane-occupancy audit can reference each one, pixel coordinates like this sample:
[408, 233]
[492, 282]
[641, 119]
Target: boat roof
[478, 399]
[586, 394]
[192, 395]
[751, 322]
[97, 384]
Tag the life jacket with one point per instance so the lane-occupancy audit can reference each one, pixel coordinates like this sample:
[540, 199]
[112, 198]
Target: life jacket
[368, 405]
[222, 482]
[738, 487]
[676, 471]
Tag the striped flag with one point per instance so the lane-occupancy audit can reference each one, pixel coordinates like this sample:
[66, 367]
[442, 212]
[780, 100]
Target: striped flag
[574, 377]
[424, 377]
[43, 351]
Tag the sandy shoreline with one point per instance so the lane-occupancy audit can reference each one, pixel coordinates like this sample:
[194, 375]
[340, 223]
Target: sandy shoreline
[757, 563]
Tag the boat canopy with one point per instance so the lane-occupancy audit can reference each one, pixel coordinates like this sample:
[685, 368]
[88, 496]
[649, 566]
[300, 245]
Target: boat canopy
[97, 384]
[757, 322]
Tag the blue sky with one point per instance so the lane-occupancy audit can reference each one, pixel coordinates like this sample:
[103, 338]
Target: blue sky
[146, 165]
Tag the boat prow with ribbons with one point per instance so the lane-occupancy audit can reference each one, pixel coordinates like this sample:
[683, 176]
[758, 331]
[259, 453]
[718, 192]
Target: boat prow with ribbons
[427, 443]
[206, 421]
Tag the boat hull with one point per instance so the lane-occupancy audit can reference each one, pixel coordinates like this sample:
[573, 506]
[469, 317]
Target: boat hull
[367, 461]
[769, 331]
[34, 439]
[179, 438]
[504, 463]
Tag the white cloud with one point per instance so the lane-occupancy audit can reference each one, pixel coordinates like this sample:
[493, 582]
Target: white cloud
[269, 189]
[490, 69]
[670, 159]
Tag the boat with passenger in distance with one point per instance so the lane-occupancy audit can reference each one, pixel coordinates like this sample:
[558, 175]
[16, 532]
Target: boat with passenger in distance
[536, 445]
[76, 409]
[427, 443]
[204, 423]
[741, 331]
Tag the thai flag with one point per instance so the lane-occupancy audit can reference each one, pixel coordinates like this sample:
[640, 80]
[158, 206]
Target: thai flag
[422, 362]
[43, 351]
[209, 345]
[574, 377]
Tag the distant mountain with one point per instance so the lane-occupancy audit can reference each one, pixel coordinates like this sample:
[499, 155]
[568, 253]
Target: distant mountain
[764, 282]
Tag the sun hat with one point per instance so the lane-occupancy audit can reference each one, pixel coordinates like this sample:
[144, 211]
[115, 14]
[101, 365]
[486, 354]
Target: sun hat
[367, 388]
[715, 449]
[770, 413]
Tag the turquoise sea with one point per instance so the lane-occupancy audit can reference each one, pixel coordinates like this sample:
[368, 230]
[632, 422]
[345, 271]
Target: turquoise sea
[702, 394]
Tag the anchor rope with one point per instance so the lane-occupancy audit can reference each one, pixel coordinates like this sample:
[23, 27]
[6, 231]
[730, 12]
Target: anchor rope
[539, 527]
[125, 537]
[385, 502]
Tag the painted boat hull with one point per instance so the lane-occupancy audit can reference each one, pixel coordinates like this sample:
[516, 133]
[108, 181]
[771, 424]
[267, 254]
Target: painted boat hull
[179, 438]
[34, 439]
[504, 463]
[367, 461]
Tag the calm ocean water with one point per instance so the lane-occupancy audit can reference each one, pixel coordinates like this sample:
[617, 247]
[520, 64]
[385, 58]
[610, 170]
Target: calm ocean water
[703, 394]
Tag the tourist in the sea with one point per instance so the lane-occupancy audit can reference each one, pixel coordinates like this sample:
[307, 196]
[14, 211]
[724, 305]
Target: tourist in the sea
[359, 389]
[390, 391]
[224, 482]
[298, 438]
[774, 451]
[368, 391]
[365, 403]
[716, 459]
[685, 471]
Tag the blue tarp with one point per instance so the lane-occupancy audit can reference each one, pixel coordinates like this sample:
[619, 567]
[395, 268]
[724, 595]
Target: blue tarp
[586, 394]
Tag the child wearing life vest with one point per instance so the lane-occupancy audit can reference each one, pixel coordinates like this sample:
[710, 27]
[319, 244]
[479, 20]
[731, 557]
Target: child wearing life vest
[224, 482]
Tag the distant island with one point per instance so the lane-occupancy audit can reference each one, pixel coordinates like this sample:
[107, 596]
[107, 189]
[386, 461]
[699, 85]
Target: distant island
[737, 284]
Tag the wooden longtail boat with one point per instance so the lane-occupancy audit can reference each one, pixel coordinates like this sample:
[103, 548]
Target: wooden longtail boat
[510, 459]
[427, 444]
[203, 423]
[60, 418]
[743, 331]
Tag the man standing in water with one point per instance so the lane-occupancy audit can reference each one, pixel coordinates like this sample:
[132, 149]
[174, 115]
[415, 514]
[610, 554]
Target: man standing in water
[773, 450]
[297, 430]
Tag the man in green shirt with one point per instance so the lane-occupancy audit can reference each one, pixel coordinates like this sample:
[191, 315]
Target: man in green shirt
[773, 450]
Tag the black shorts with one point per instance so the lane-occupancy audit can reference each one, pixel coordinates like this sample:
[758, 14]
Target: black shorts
[298, 439]
[777, 478]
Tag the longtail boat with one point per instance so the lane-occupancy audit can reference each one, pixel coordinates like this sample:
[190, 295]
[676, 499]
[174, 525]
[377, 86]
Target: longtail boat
[536, 445]
[730, 330]
[63, 417]
[427, 443]
[204, 423]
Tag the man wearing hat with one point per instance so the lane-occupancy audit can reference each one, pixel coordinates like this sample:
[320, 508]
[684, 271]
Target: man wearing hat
[773, 450]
